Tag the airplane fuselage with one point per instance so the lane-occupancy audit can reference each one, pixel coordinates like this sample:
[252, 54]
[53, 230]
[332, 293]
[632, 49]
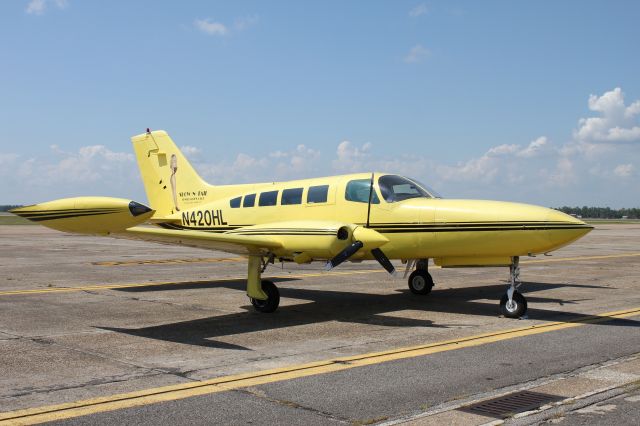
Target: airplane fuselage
[452, 232]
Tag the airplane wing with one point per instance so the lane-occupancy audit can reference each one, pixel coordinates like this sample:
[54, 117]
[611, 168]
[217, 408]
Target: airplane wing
[231, 243]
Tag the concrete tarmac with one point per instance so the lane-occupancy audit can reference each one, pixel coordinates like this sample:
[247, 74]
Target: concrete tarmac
[167, 334]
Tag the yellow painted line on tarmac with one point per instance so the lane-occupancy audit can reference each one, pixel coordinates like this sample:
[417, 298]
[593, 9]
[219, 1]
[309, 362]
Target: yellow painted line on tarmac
[168, 261]
[572, 259]
[99, 287]
[226, 383]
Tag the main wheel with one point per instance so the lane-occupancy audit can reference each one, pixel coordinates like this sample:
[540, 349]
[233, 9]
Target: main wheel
[516, 309]
[420, 282]
[273, 300]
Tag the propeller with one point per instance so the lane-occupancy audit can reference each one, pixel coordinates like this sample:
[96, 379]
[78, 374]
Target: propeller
[344, 255]
[383, 260]
[370, 237]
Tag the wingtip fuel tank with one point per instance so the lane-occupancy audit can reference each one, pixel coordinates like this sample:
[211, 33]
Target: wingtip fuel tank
[87, 215]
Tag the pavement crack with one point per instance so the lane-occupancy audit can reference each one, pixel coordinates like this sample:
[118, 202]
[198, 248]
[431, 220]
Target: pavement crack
[145, 369]
[93, 382]
[139, 299]
[292, 404]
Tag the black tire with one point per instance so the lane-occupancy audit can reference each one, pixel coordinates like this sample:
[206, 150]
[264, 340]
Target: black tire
[271, 304]
[518, 309]
[420, 282]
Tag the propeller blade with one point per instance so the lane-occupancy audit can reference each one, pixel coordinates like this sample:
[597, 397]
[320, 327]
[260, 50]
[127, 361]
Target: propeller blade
[383, 260]
[344, 255]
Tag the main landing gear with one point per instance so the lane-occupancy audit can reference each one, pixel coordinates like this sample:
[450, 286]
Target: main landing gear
[264, 294]
[420, 280]
[513, 304]
[273, 298]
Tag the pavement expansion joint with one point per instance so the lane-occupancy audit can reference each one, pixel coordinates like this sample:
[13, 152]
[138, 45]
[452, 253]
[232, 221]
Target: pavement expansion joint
[251, 391]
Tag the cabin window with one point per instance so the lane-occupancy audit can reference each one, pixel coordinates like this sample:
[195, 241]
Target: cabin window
[235, 202]
[268, 198]
[397, 188]
[291, 196]
[358, 190]
[317, 194]
[249, 200]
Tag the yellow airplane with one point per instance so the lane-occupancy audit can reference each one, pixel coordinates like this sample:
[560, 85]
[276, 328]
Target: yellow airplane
[352, 217]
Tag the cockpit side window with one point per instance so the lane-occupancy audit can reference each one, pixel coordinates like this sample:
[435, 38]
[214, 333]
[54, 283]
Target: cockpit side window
[397, 188]
[358, 190]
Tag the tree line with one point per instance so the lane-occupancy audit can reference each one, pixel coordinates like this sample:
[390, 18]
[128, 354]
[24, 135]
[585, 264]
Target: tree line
[590, 212]
[601, 212]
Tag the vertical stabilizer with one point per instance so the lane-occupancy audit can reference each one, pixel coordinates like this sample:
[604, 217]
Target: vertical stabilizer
[169, 180]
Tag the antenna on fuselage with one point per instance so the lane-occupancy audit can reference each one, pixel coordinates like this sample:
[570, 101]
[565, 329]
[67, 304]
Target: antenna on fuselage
[369, 203]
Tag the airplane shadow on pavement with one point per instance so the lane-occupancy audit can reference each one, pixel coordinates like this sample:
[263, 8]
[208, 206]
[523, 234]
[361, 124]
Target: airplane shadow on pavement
[350, 307]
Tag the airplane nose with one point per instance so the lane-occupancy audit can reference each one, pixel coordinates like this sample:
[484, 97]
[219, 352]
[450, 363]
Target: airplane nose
[564, 229]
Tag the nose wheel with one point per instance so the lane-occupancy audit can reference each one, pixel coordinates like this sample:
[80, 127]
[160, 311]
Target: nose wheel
[513, 304]
[420, 282]
[514, 308]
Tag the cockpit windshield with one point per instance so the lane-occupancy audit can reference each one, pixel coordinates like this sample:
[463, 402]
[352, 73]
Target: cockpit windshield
[397, 188]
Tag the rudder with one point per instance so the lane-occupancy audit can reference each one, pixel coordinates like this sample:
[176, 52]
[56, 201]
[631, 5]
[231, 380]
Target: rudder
[169, 180]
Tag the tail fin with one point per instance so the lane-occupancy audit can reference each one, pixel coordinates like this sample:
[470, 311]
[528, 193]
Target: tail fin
[169, 180]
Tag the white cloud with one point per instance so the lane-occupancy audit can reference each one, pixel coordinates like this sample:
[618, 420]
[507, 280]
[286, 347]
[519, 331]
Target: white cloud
[38, 7]
[564, 173]
[623, 170]
[535, 148]
[90, 164]
[540, 171]
[8, 162]
[299, 162]
[210, 27]
[241, 24]
[190, 152]
[617, 122]
[419, 10]
[91, 170]
[416, 54]
[350, 158]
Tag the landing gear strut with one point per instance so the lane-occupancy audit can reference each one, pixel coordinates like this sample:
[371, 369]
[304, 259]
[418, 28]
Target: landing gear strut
[264, 294]
[513, 304]
[420, 280]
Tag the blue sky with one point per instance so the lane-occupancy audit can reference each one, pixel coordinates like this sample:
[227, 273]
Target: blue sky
[525, 101]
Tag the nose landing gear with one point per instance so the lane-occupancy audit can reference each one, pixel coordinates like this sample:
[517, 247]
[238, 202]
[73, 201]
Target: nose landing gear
[513, 304]
[420, 280]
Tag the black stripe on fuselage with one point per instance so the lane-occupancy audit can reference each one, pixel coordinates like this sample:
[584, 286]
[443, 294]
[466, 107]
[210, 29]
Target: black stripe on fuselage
[65, 211]
[476, 229]
[393, 228]
[68, 216]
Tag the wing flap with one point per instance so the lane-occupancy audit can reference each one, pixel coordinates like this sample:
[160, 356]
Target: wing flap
[238, 244]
